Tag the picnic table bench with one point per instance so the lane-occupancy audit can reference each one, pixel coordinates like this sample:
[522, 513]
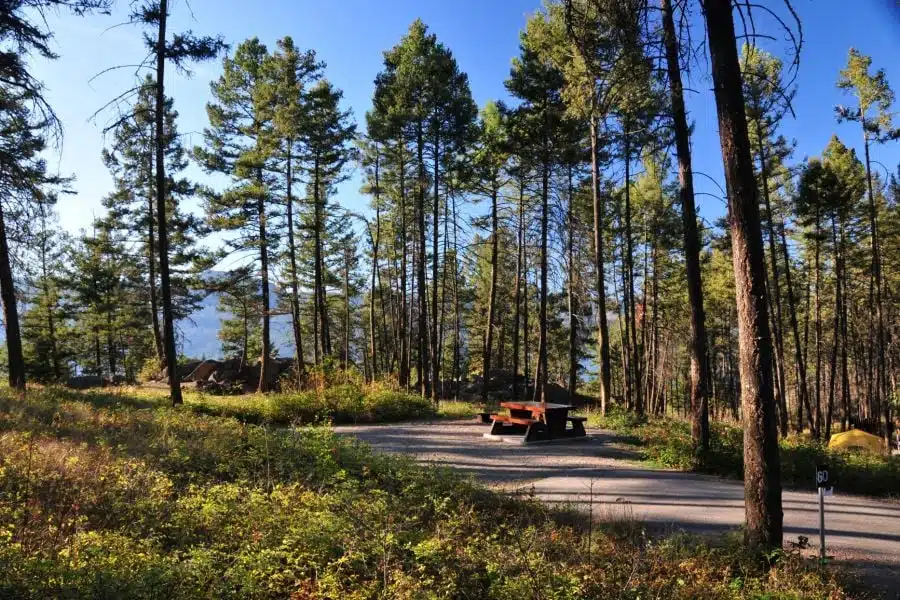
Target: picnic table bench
[537, 421]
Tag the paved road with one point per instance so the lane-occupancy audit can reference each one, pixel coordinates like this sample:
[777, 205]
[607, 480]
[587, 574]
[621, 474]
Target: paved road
[862, 533]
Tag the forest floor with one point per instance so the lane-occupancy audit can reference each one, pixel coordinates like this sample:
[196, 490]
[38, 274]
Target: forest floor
[603, 474]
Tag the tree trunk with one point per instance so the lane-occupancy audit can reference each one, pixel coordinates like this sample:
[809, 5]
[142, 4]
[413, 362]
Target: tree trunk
[373, 326]
[836, 336]
[422, 359]
[780, 380]
[435, 262]
[540, 379]
[492, 299]
[692, 245]
[402, 329]
[602, 328]
[817, 430]
[845, 374]
[635, 366]
[880, 386]
[264, 368]
[799, 359]
[292, 256]
[10, 314]
[151, 275]
[520, 235]
[762, 472]
[318, 275]
[573, 328]
[162, 222]
[457, 329]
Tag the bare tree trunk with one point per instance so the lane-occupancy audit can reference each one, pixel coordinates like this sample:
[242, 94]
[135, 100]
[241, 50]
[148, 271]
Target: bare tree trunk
[520, 241]
[799, 359]
[817, 430]
[780, 381]
[845, 375]
[692, 245]
[836, 336]
[435, 262]
[403, 328]
[540, 379]
[638, 399]
[151, 274]
[373, 326]
[880, 386]
[422, 362]
[762, 471]
[168, 317]
[602, 326]
[492, 299]
[292, 257]
[573, 327]
[264, 368]
[457, 329]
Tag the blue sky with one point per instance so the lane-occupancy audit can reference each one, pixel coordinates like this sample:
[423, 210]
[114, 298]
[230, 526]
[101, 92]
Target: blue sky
[350, 35]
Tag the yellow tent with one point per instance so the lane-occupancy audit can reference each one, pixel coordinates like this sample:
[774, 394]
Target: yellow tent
[856, 439]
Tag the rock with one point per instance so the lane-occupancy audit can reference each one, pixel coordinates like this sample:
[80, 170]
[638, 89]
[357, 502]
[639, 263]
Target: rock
[83, 382]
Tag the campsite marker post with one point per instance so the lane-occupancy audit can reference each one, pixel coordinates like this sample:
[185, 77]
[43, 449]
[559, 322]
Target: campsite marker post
[822, 483]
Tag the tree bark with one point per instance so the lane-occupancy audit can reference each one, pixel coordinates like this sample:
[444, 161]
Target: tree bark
[880, 386]
[151, 274]
[264, 368]
[492, 299]
[422, 362]
[762, 476]
[776, 286]
[692, 244]
[602, 326]
[376, 239]
[402, 330]
[435, 262]
[162, 222]
[540, 379]
[573, 328]
[292, 256]
[635, 366]
[15, 357]
[520, 235]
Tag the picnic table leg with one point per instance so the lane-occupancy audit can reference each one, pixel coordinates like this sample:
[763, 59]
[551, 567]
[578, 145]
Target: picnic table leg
[497, 427]
[578, 429]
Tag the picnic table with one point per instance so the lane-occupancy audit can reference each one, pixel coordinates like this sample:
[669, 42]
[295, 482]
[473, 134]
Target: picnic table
[537, 421]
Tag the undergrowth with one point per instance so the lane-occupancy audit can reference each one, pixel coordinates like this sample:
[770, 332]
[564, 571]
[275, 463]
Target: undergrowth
[133, 499]
[666, 441]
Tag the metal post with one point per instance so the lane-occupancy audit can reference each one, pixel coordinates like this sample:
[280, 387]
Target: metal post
[822, 524]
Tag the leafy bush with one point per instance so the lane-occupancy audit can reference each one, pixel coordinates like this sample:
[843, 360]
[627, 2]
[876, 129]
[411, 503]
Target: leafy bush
[103, 499]
[667, 442]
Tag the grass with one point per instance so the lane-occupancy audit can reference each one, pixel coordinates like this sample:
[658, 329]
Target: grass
[667, 442]
[339, 404]
[128, 498]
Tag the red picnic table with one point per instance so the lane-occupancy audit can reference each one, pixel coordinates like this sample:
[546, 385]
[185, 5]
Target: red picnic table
[538, 421]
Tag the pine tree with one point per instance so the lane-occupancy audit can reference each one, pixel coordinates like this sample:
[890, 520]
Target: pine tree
[873, 112]
[291, 72]
[131, 207]
[537, 84]
[327, 136]
[239, 145]
[45, 323]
